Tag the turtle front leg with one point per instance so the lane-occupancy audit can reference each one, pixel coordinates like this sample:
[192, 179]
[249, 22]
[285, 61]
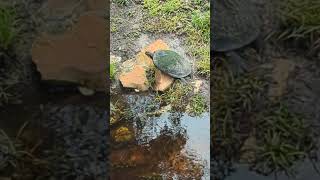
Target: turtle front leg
[236, 63]
[183, 80]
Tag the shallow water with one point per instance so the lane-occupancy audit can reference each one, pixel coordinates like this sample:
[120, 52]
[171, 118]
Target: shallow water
[193, 148]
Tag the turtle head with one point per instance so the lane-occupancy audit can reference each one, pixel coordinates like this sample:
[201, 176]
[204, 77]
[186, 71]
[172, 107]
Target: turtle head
[150, 54]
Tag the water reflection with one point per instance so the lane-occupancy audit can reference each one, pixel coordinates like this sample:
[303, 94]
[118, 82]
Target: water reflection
[171, 146]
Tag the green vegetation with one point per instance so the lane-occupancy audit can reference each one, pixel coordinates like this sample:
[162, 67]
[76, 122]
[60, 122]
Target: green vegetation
[19, 158]
[284, 139]
[5, 96]
[151, 76]
[119, 112]
[299, 21]
[8, 31]
[242, 109]
[7, 86]
[173, 16]
[113, 70]
[197, 105]
[235, 96]
[121, 2]
[175, 96]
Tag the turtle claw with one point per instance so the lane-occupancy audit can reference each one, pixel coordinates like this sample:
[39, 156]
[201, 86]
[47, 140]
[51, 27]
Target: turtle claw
[236, 63]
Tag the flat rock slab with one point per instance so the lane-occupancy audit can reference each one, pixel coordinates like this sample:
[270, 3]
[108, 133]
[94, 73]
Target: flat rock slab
[163, 81]
[135, 78]
[77, 56]
[134, 72]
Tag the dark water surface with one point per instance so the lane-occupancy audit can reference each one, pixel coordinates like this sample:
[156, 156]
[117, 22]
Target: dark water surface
[178, 146]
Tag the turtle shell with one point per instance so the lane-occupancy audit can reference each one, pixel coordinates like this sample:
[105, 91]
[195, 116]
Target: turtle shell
[171, 63]
[236, 23]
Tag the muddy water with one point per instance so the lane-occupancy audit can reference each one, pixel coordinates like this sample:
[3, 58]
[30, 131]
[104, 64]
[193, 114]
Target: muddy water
[168, 146]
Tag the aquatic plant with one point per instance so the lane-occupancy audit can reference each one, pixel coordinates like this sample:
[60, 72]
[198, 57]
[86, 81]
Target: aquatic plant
[8, 31]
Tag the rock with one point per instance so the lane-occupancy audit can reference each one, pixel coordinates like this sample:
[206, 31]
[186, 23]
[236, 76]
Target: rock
[115, 59]
[247, 150]
[74, 56]
[134, 72]
[144, 60]
[156, 45]
[162, 81]
[136, 78]
[197, 86]
[281, 71]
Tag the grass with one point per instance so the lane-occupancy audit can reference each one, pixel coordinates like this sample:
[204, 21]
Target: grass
[176, 95]
[241, 109]
[173, 16]
[121, 2]
[299, 21]
[284, 137]
[8, 31]
[234, 101]
[113, 70]
[17, 157]
[235, 95]
[197, 105]
[7, 86]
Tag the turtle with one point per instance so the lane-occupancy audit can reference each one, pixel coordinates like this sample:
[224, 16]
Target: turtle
[236, 24]
[171, 63]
